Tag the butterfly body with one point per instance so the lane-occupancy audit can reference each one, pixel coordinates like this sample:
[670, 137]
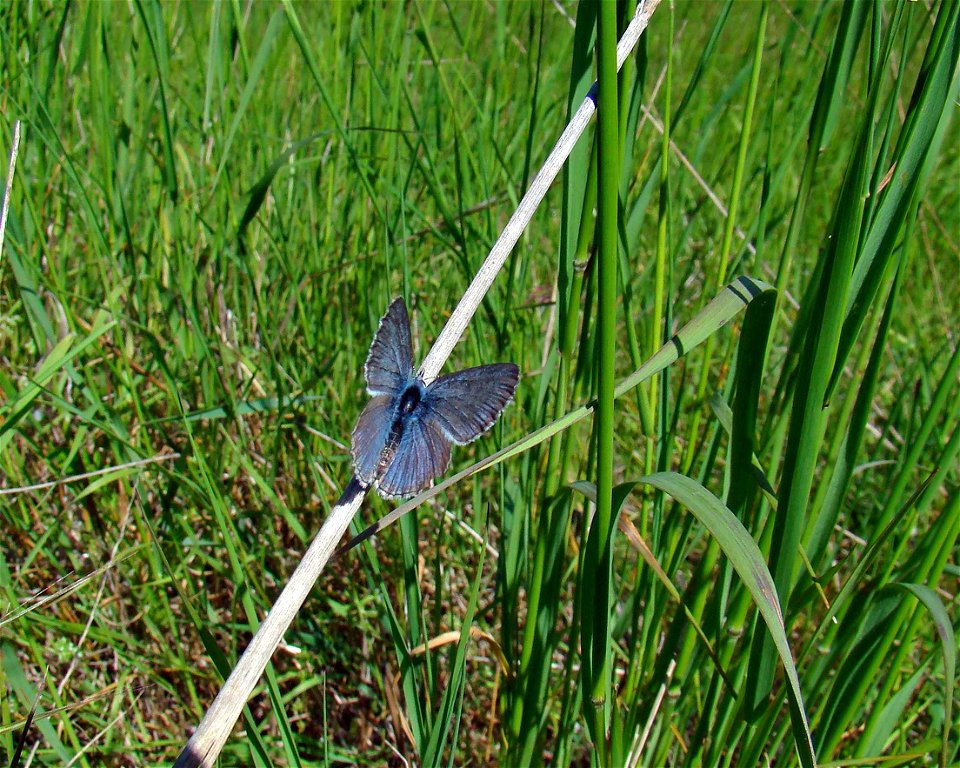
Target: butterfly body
[403, 438]
[403, 408]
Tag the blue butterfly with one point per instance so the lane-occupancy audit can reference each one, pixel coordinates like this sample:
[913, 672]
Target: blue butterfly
[403, 438]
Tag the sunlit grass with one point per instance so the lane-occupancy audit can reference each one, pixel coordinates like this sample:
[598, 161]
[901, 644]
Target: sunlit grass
[210, 213]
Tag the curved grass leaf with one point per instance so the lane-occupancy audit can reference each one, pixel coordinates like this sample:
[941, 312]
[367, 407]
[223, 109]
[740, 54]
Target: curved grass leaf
[749, 563]
[948, 642]
[620, 493]
[258, 192]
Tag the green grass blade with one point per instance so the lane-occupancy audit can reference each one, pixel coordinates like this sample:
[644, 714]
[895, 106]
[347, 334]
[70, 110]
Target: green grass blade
[828, 504]
[917, 149]
[61, 356]
[892, 714]
[249, 89]
[258, 192]
[451, 703]
[620, 494]
[807, 419]
[27, 693]
[157, 41]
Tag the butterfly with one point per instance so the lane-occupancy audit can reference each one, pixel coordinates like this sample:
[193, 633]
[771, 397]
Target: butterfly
[404, 436]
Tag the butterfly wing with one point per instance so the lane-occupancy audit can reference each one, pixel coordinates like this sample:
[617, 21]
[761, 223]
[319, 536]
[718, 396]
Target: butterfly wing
[389, 366]
[456, 408]
[465, 404]
[422, 454]
[371, 434]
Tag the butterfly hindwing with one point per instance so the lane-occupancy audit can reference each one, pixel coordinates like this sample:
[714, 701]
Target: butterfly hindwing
[422, 454]
[371, 434]
[389, 366]
[465, 404]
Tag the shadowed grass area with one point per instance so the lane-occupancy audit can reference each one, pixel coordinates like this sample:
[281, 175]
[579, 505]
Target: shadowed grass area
[214, 203]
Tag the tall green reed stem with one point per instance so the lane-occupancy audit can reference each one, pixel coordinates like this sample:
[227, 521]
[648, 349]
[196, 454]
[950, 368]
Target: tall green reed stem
[598, 563]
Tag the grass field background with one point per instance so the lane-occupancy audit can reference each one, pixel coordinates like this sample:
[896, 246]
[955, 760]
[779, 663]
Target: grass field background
[213, 205]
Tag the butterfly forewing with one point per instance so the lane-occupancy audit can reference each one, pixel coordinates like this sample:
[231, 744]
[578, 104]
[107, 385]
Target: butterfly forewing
[371, 434]
[389, 366]
[422, 454]
[465, 404]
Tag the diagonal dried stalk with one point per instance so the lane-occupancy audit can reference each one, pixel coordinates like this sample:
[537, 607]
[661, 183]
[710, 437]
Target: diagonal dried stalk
[8, 190]
[205, 745]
